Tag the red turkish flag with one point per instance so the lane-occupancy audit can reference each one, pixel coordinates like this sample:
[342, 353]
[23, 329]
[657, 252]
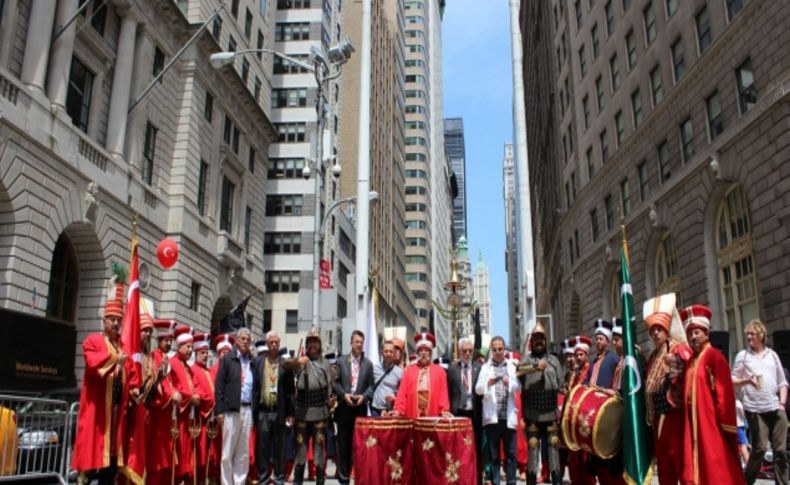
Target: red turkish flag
[130, 333]
[324, 278]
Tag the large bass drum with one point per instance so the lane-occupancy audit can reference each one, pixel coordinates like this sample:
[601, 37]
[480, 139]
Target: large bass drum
[592, 421]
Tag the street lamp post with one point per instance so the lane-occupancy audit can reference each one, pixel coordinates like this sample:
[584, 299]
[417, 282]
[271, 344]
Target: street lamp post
[453, 310]
[319, 65]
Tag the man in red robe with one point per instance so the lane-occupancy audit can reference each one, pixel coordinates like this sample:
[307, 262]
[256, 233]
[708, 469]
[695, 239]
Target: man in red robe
[423, 389]
[188, 414]
[103, 399]
[666, 331]
[222, 345]
[710, 444]
[161, 400]
[205, 389]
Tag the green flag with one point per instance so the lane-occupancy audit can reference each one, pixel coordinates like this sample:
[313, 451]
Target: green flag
[637, 456]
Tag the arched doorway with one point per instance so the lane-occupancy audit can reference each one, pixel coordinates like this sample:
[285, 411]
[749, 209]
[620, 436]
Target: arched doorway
[63, 282]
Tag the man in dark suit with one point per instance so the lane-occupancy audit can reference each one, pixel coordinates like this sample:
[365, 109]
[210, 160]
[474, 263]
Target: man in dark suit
[354, 389]
[464, 402]
[273, 392]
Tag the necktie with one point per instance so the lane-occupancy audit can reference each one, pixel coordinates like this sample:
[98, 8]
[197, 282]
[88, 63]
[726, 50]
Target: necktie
[466, 378]
[354, 374]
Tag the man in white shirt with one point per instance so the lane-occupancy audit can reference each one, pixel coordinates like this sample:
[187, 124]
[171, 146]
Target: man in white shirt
[759, 375]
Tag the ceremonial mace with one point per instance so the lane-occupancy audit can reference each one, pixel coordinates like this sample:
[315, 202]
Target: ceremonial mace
[194, 432]
[212, 431]
[174, 434]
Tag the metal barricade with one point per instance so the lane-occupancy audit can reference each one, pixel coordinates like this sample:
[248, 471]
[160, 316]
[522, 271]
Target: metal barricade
[35, 435]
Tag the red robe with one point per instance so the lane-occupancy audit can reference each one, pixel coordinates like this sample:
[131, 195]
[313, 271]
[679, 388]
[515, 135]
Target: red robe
[406, 399]
[710, 443]
[205, 388]
[215, 448]
[137, 431]
[577, 460]
[94, 443]
[159, 452]
[183, 382]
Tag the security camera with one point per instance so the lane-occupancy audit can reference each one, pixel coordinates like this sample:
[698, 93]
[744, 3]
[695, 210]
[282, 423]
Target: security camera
[336, 170]
[306, 172]
[341, 52]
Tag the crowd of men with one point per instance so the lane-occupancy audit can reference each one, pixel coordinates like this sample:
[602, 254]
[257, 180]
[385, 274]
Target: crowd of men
[248, 417]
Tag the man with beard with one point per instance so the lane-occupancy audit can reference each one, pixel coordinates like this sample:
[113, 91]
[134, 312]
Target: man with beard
[602, 369]
[710, 445]
[204, 386]
[314, 399]
[666, 331]
[541, 380]
[386, 380]
[103, 399]
[187, 413]
[274, 396]
[423, 389]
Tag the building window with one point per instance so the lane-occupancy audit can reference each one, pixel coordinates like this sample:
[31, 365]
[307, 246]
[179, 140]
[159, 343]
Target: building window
[227, 130]
[609, 18]
[704, 36]
[149, 152]
[594, 224]
[234, 8]
[236, 138]
[590, 163]
[644, 184]
[267, 321]
[672, 7]
[342, 307]
[78, 97]
[245, 70]
[577, 7]
[282, 66]
[342, 274]
[291, 321]
[608, 204]
[226, 209]
[288, 168]
[256, 90]
[582, 61]
[678, 64]
[259, 45]
[282, 243]
[667, 279]
[567, 195]
[208, 108]
[247, 228]
[194, 296]
[248, 24]
[604, 147]
[664, 168]
[596, 47]
[216, 28]
[630, 42]
[649, 19]
[626, 5]
[636, 108]
[620, 126]
[291, 4]
[747, 92]
[656, 89]
[738, 278]
[159, 61]
[251, 160]
[576, 242]
[625, 196]
[574, 184]
[715, 116]
[570, 251]
[285, 31]
[686, 140]
[599, 93]
[416, 242]
[291, 132]
[63, 281]
[733, 7]
[282, 281]
[416, 276]
[284, 205]
[615, 300]
[586, 109]
[202, 182]
[614, 73]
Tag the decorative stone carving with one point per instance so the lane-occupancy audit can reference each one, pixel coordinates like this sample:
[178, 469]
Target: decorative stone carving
[91, 204]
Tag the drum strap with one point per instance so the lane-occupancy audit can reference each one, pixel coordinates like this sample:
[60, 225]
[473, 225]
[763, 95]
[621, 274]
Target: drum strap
[376, 384]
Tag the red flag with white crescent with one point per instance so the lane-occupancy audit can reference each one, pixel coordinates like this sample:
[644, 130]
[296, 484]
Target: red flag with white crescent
[130, 333]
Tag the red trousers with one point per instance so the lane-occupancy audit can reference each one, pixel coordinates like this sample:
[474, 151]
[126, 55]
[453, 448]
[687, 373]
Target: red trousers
[668, 448]
[577, 469]
[607, 477]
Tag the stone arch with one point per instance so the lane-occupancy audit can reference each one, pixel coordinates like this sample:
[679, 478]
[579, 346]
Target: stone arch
[6, 232]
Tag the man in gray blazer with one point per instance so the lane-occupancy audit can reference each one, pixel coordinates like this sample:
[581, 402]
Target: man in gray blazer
[464, 402]
[354, 389]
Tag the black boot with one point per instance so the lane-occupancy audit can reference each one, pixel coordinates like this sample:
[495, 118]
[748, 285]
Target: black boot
[532, 479]
[320, 475]
[556, 479]
[298, 474]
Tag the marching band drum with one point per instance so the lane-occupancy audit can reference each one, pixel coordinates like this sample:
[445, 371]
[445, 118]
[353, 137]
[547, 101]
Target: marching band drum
[592, 421]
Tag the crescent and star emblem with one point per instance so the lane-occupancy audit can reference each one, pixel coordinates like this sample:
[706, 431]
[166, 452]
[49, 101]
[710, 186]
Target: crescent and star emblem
[630, 361]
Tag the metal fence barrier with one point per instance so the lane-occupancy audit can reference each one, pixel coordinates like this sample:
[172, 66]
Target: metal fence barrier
[35, 437]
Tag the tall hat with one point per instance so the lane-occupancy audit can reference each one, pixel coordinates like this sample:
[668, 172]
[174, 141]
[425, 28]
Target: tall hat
[314, 332]
[224, 341]
[261, 347]
[617, 326]
[582, 342]
[696, 316]
[538, 329]
[603, 327]
[661, 311]
[183, 335]
[398, 343]
[201, 341]
[567, 346]
[146, 321]
[113, 308]
[165, 328]
[424, 339]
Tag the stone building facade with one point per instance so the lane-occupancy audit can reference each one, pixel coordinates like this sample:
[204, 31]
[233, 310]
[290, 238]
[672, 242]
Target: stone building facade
[673, 115]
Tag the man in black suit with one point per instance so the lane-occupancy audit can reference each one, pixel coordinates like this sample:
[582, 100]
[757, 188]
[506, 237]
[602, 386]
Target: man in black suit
[275, 411]
[354, 389]
[464, 402]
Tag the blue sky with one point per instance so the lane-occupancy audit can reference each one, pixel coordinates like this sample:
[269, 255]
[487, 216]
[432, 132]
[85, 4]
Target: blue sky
[478, 87]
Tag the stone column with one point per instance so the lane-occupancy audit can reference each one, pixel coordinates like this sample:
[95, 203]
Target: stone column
[39, 35]
[121, 85]
[7, 31]
[143, 51]
[96, 106]
[62, 50]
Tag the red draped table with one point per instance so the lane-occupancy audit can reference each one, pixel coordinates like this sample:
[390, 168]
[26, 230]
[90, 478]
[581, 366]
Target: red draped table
[383, 451]
[444, 451]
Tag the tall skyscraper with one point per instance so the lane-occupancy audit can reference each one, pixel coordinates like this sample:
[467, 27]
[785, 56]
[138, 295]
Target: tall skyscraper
[456, 149]
[482, 295]
[664, 115]
[511, 244]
